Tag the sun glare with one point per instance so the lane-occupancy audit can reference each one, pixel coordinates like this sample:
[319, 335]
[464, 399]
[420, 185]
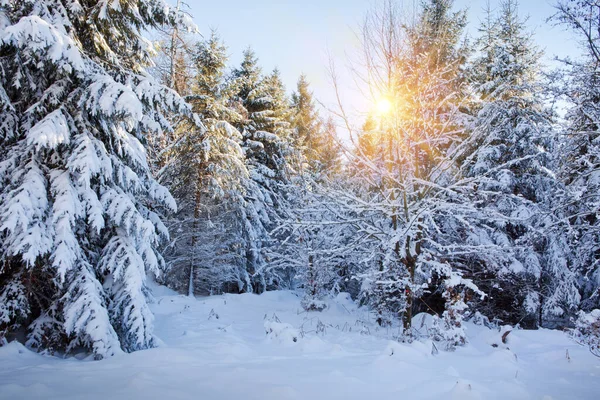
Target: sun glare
[383, 106]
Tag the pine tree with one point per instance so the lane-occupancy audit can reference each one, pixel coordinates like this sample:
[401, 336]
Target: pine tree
[78, 230]
[173, 65]
[305, 118]
[329, 150]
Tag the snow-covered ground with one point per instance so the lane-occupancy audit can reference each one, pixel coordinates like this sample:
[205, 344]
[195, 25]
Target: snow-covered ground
[218, 348]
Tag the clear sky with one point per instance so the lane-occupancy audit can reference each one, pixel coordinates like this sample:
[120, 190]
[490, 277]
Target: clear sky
[297, 35]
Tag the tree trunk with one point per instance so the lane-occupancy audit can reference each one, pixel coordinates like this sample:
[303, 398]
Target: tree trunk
[194, 241]
[312, 278]
[411, 265]
[173, 51]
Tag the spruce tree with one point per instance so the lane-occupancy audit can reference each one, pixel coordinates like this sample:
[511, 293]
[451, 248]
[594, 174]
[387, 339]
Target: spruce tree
[270, 157]
[78, 231]
[314, 137]
[508, 156]
[206, 172]
[580, 159]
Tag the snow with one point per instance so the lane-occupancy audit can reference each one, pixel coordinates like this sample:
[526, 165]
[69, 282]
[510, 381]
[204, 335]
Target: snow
[241, 346]
[36, 35]
[22, 214]
[50, 131]
[281, 332]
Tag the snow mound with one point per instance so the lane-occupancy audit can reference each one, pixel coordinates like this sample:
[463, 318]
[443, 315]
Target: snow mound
[15, 349]
[314, 344]
[464, 391]
[422, 323]
[406, 351]
[281, 332]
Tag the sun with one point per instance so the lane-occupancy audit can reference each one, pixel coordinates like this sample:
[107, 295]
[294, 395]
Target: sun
[383, 106]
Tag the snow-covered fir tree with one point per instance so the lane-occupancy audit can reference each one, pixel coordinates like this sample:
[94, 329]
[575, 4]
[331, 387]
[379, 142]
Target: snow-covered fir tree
[270, 158]
[206, 171]
[581, 166]
[315, 138]
[508, 156]
[78, 231]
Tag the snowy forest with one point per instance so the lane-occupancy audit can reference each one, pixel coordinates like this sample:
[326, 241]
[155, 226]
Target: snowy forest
[134, 155]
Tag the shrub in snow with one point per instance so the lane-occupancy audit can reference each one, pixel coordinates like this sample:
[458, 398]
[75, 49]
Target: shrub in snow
[587, 330]
[478, 318]
[385, 291]
[312, 304]
[448, 330]
[315, 279]
[312, 246]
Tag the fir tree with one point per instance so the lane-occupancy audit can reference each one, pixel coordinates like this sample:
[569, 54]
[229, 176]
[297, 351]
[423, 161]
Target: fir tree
[579, 169]
[78, 230]
[508, 156]
[206, 171]
[313, 136]
[267, 141]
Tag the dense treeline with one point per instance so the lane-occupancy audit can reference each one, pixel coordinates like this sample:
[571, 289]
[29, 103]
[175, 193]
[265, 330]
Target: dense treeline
[465, 194]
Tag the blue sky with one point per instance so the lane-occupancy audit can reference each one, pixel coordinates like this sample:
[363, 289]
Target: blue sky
[296, 36]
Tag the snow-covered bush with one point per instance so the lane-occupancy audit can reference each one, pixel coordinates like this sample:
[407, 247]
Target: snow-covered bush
[478, 318]
[448, 330]
[314, 246]
[312, 304]
[587, 330]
